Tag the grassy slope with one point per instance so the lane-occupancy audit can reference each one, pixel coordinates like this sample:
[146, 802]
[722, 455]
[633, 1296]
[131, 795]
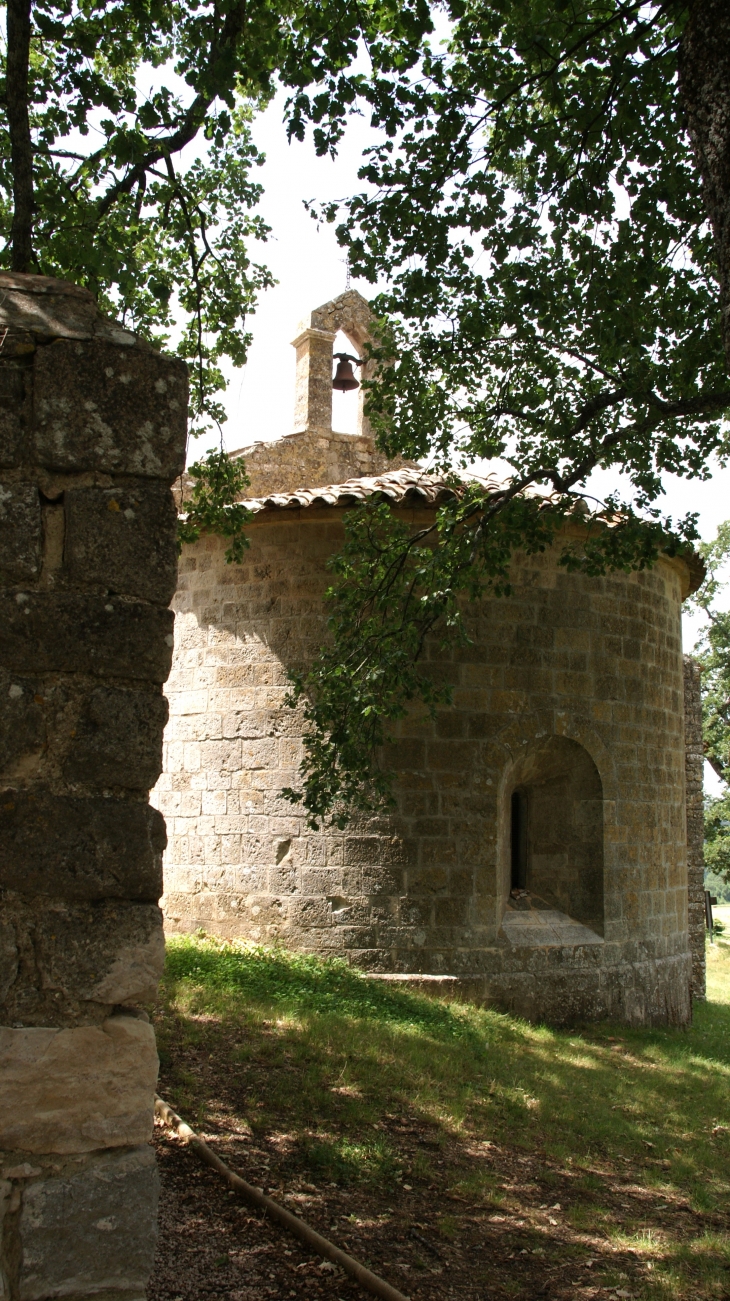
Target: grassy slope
[346, 1081]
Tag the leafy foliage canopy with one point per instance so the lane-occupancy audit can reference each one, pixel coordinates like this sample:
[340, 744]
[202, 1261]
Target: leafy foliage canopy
[534, 208]
[143, 166]
[218, 483]
[532, 205]
[713, 653]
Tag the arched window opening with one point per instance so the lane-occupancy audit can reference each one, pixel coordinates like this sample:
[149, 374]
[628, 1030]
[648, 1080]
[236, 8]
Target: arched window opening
[556, 836]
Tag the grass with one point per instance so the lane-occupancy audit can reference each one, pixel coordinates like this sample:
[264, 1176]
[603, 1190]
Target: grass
[721, 915]
[366, 1087]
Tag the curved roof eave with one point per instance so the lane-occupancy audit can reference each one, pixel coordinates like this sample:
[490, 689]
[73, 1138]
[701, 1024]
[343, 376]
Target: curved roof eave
[414, 487]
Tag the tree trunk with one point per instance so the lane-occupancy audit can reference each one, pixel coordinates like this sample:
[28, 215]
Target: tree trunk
[21, 148]
[704, 78]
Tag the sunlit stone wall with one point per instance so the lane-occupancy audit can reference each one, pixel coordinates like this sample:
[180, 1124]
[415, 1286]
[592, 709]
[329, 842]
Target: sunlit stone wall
[424, 893]
[695, 762]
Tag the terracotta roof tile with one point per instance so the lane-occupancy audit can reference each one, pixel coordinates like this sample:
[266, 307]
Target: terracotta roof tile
[412, 487]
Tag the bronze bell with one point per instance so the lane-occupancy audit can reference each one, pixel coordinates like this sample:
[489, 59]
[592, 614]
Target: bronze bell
[344, 377]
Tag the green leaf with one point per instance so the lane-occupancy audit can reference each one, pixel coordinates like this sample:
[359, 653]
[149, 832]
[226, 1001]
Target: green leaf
[218, 482]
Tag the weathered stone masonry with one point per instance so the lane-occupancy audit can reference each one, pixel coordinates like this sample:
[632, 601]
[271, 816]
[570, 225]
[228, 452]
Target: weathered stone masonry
[694, 772]
[569, 698]
[565, 675]
[92, 434]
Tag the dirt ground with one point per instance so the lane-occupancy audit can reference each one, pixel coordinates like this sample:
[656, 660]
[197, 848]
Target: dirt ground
[454, 1152]
[427, 1243]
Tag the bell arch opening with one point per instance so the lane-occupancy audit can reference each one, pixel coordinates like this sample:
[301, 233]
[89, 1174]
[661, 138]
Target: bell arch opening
[555, 846]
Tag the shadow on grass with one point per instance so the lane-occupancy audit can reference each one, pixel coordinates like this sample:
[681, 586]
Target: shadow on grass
[314, 1043]
[356, 1083]
[296, 982]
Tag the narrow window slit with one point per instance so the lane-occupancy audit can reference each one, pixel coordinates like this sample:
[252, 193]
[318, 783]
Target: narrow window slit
[519, 840]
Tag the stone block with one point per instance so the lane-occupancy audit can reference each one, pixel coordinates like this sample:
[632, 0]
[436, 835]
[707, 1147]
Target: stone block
[117, 739]
[382, 881]
[283, 878]
[320, 880]
[367, 851]
[428, 881]
[97, 406]
[41, 307]
[56, 956]
[9, 953]
[67, 633]
[102, 736]
[92, 1230]
[6, 1244]
[124, 538]
[20, 533]
[454, 912]
[80, 848]
[14, 401]
[22, 725]
[308, 913]
[77, 1090]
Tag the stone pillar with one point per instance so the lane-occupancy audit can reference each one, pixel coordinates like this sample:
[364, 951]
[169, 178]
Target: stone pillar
[694, 772]
[92, 434]
[313, 391]
[364, 428]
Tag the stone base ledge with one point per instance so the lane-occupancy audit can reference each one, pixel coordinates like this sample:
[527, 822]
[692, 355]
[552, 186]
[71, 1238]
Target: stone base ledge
[454, 989]
[655, 992]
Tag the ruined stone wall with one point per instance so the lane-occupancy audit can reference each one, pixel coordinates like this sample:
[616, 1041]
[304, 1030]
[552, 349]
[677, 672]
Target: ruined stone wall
[694, 773]
[92, 433]
[423, 892]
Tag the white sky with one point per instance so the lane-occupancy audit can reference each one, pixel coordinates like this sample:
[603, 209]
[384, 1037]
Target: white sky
[308, 265]
[310, 269]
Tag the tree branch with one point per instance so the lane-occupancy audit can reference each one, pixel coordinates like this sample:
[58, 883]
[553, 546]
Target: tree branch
[195, 265]
[192, 119]
[704, 86]
[172, 144]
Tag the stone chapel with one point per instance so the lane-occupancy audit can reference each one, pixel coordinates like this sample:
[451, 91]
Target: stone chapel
[545, 854]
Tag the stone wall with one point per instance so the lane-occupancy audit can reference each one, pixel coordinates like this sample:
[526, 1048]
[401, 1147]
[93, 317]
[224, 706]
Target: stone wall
[311, 460]
[694, 773]
[422, 894]
[92, 433]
